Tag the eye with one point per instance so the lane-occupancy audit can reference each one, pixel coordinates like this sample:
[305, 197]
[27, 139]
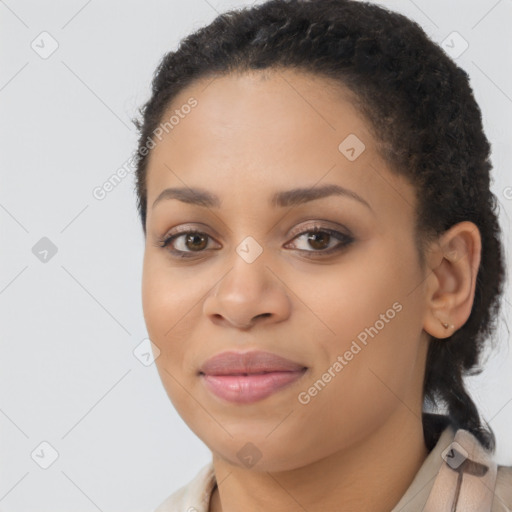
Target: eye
[321, 240]
[189, 241]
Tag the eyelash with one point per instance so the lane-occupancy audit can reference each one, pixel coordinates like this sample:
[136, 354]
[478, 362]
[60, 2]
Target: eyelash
[345, 241]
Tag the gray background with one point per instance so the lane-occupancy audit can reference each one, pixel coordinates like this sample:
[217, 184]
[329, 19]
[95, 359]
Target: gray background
[69, 325]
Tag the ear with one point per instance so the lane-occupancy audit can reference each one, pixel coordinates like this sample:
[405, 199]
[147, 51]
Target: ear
[450, 286]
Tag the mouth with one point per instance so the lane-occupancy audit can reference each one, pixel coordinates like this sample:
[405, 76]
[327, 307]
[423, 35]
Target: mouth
[248, 388]
[249, 376]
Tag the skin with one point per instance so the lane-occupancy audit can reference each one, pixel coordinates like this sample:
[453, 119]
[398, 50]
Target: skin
[359, 442]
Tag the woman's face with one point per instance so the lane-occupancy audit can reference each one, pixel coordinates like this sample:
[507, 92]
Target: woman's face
[347, 303]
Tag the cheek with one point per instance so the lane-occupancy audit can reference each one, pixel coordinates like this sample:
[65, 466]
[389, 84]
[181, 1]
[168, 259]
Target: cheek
[172, 302]
[169, 314]
[353, 295]
[370, 318]
[166, 296]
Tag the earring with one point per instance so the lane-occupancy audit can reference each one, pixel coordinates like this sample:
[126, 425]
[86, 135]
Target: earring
[446, 326]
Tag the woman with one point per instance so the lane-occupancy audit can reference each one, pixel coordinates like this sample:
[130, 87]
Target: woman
[323, 262]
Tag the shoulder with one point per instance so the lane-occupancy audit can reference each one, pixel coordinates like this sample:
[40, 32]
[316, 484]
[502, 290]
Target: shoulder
[503, 490]
[463, 472]
[482, 475]
[194, 496]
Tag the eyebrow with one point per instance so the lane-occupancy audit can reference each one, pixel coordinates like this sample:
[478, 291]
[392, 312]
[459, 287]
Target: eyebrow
[293, 197]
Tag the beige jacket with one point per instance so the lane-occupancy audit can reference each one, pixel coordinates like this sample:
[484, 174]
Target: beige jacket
[457, 475]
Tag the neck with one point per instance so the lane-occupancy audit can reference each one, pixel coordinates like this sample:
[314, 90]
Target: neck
[372, 475]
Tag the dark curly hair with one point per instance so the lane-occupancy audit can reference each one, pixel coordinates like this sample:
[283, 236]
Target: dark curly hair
[420, 108]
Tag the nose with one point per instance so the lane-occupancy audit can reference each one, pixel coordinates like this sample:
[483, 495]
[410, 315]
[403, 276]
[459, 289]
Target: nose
[245, 326]
[249, 294]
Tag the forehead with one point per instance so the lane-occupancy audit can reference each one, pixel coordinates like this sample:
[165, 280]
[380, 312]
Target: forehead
[272, 101]
[266, 130]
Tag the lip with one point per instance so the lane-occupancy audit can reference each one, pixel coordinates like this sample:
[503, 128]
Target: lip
[255, 361]
[246, 377]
